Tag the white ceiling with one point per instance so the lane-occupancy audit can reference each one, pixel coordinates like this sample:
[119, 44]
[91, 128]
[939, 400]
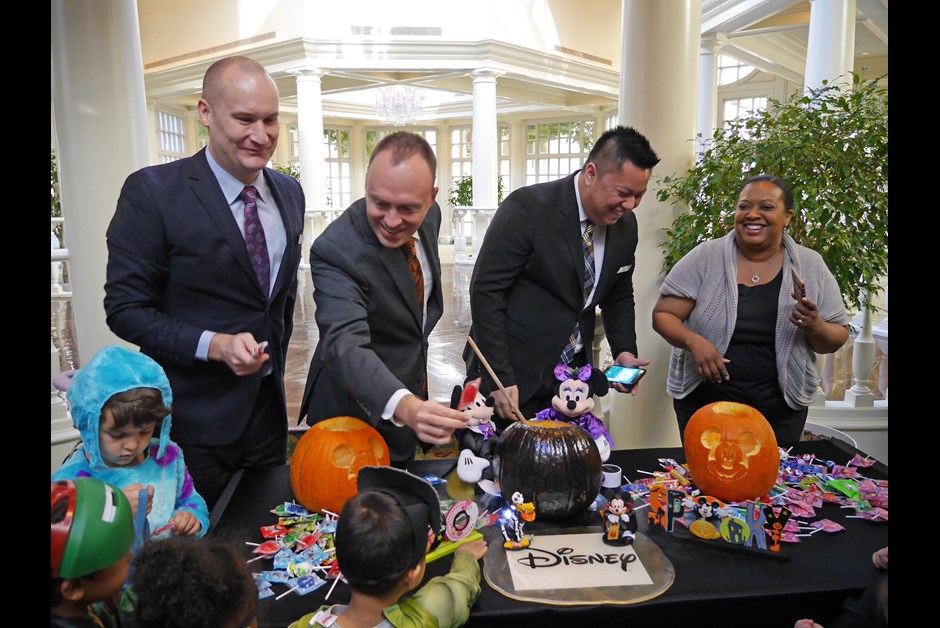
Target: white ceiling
[769, 34]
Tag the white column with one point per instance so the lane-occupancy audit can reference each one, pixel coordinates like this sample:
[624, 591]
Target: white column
[312, 164]
[830, 49]
[357, 149]
[707, 90]
[443, 155]
[659, 69]
[485, 148]
[100, 116]
[516, 157]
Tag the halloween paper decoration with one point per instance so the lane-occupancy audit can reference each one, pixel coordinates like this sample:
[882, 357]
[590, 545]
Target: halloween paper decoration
[327, 460]
[731, 451]
[555, 465]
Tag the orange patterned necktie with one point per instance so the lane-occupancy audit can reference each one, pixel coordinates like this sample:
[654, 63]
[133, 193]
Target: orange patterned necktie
[408, 248]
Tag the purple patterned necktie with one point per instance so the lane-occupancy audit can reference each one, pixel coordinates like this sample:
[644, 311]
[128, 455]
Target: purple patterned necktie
[254, 238]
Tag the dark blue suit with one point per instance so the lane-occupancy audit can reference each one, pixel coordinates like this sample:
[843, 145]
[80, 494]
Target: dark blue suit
[177, 266]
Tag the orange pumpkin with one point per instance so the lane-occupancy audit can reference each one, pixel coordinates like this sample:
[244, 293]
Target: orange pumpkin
[731, 451]
[327, 459]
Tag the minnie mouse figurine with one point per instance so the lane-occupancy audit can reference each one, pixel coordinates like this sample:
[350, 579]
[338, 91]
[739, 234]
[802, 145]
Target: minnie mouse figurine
[574, 400]
[478, 439]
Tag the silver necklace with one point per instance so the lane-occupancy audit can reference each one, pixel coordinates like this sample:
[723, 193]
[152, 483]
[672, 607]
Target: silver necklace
[756, 276]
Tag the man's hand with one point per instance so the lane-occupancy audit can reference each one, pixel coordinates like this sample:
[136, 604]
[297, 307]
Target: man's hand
[132, 491]
[503, 407]
[240, 352]
[432, 422]
[628, 359]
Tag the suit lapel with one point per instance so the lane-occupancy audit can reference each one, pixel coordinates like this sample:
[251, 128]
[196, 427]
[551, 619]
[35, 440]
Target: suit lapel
[571, 228]
[289, 260]
[207, 190]
[436, 298]
[394, 262]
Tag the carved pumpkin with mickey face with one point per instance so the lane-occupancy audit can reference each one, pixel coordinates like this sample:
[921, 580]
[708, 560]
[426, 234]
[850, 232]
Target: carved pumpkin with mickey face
[326, 462]
[731, 451]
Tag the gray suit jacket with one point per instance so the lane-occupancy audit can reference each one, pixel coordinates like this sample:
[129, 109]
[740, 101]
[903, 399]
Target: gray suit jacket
[178, 265]
[372, 340]
[525, 292]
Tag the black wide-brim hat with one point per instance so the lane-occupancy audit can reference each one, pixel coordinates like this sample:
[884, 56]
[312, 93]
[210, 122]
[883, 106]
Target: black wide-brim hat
[415, 495]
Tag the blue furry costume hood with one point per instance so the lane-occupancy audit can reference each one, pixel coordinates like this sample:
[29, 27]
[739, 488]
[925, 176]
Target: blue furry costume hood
[113, 370]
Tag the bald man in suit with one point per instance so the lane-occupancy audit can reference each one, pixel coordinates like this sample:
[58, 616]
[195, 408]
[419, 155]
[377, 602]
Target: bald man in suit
[182, 286]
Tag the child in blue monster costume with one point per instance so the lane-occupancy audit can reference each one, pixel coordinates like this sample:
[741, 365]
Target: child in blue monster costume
[118, 401]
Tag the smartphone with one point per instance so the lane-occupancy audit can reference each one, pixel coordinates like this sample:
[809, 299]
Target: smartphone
[624, 375]
[798, 284]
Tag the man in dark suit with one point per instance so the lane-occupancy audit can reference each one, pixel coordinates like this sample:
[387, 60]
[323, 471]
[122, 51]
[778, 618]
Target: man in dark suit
[527, 291]
[182, 285]
[373, 314]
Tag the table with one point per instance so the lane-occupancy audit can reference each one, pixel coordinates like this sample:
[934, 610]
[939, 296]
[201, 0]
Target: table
[712, 586]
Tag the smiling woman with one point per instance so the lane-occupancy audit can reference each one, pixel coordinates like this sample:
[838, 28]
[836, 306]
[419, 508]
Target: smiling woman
[746, 313]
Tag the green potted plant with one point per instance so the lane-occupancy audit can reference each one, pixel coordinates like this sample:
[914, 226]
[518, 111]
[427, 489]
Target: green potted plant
[291, 169]
[831, 146]
[461, 193]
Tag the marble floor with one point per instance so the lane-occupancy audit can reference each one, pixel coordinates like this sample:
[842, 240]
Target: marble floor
[445, 365]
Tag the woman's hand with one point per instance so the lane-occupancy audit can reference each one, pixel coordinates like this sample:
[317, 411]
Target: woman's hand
[709, 362]
[823, 336]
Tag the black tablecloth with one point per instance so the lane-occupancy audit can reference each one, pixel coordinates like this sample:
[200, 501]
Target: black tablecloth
[713, 586]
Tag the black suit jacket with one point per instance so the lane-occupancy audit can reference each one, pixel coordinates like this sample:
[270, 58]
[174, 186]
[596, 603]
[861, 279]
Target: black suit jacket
[178, 265]
[525, 291]
[372, 340]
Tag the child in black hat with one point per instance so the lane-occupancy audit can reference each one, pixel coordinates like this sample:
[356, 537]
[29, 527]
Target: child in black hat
[382, 538]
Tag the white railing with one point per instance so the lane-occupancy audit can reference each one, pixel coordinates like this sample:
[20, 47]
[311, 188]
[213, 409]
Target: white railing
[469, 224]
[854, 385]
[60, 256]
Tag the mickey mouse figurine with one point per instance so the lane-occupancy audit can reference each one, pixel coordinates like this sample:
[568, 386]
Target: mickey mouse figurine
[619, 521]
[574, 400]
[478, 440]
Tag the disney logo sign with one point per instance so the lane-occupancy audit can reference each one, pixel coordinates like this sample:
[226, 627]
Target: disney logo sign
[535, 558]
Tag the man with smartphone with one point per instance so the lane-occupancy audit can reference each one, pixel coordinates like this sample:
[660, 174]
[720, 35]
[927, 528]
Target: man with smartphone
[625, 376]
[553, 253]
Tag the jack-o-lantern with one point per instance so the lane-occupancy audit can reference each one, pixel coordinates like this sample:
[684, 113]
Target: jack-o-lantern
[327, 459]
[555, 465]
[731, 451]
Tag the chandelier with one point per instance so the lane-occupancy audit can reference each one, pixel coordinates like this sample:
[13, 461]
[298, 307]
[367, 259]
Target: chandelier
[399, 105]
